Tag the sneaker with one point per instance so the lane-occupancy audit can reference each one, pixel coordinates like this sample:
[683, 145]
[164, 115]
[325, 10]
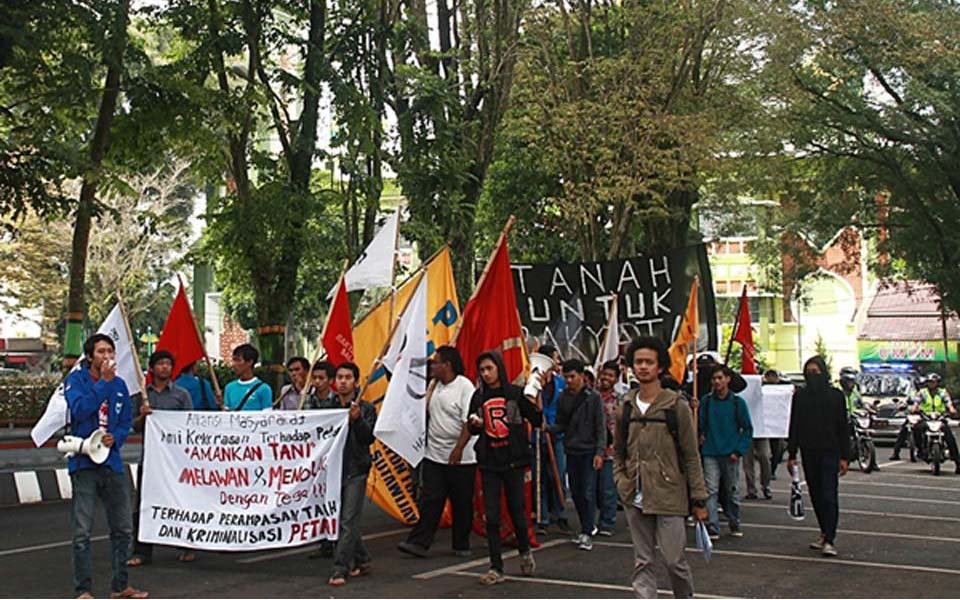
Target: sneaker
[767, 494]
[828, 549]
[412, 549]
[736, 532]
[528, 566]
[586, 543]
[751, 496]
[818, 544]
[492, 577]
[542, 528]
[895, 457]
[606, 532]
[594, 532]
[714, 536]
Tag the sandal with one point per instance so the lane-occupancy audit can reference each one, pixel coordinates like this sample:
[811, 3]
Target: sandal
[492, 577]
[137, 561]
[186, 557]
[130, 592]
[361, 570]
[337, 580]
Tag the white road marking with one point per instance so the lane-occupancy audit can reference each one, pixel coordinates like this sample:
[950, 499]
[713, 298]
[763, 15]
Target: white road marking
[899, 499]
[901, 485]
[311, 547]
[64, 483]
[28, 487]
[905, 536]
[24, 549]
[793, 558]
[872, 513]
[453, 569]
[581, 584]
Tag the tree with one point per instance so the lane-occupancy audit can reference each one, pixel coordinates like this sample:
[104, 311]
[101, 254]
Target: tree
[866, 91]
[628, 106]
[448, 100]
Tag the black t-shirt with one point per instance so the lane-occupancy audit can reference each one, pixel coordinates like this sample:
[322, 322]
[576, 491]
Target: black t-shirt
[503, 443]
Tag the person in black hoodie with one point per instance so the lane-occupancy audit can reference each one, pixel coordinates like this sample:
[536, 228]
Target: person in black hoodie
[497, 413]
[818, 427]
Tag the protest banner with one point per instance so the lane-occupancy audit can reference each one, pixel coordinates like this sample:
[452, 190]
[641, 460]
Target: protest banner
[567, 305]
[769, 407]
[242, 481]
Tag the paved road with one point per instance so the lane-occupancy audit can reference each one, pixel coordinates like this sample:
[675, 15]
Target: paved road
[900, 537]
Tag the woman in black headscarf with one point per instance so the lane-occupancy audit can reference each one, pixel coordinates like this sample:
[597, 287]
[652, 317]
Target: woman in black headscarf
[818, 427]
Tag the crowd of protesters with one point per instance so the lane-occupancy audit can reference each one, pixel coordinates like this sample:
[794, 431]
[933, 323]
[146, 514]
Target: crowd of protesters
[626, 438]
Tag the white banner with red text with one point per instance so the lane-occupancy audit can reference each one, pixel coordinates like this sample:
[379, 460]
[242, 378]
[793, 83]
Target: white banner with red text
[242, 481]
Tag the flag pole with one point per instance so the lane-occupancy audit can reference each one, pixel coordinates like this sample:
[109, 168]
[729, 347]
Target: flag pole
[486, 269]
[136, 359]
[323, 332]
[696, 394]
[217, 391]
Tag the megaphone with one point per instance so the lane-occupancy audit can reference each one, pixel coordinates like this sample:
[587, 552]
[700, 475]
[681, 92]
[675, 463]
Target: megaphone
[540, 363]
[91, 446]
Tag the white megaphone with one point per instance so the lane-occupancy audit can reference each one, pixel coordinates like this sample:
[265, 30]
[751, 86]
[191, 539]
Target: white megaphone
[91, 446]
[540, 364]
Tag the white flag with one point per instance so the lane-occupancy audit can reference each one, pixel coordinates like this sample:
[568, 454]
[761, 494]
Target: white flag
[610, 350]
[402, 424]
[57, 414]
[392, 356]
[374, 268]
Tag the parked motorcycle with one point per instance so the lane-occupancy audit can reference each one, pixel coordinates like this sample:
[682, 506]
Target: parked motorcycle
[861, 442]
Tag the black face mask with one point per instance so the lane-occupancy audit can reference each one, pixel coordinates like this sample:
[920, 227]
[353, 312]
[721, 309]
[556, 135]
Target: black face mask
[815, 381]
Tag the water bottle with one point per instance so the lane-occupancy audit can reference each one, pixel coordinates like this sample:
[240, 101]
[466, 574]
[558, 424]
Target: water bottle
[795, 508]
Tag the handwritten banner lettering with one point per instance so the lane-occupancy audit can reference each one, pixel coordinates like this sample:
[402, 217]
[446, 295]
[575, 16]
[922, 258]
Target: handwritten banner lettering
[567, 304]
[242, 481]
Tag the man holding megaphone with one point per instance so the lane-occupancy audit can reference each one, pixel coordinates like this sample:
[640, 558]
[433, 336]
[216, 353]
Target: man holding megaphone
[99, 400]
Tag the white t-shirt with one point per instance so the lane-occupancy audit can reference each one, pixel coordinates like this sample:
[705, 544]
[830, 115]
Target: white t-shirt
[449, 407]
[642, 406]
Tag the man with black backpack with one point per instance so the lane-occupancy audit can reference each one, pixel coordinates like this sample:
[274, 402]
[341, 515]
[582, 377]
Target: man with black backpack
[657, 469]
[726, 434]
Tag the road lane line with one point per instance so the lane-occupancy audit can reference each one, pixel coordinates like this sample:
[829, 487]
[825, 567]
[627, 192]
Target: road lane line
[312, 546]
[25, 549]
[454, 569]
[905, 536]
[793, 558]
[873, 497]
[583, 584]
[901, 485]
[872, 513]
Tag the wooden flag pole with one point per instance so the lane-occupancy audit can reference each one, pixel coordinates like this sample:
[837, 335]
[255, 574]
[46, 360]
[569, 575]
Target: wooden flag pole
[136, 359]
[323, 332]
[217, 392]
[696, 396]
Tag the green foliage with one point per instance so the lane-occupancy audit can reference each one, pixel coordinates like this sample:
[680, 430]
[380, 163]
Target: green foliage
[820, 348]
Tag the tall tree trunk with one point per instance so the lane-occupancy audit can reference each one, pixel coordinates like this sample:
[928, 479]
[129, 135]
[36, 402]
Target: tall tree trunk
[113, 57]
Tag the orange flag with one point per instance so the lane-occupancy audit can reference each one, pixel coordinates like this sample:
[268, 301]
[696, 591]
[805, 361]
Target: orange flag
[337, 335]
[689, 329]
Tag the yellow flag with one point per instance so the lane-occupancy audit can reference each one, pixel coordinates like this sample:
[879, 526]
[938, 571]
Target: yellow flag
[390, 484]
[689, 329]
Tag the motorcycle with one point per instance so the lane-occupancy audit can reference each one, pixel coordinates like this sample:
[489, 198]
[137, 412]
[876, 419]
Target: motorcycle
[934, 441]
[914, 420]
[862, 447]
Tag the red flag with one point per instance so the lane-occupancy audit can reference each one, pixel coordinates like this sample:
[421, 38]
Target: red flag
[744, 336]
[491, 321]
[179, 334]
[337, 336]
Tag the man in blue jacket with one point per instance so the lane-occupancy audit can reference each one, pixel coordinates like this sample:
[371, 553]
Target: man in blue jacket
[98, 399]
[726, 434]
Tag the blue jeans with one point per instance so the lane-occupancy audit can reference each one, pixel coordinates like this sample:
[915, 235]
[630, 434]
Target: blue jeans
[113, 489]
[719, 471]
[607, 497]
[351, 551]
[551, 509]
[583, 487]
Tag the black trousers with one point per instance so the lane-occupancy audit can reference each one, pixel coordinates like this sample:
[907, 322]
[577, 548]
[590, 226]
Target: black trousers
[442, 482]
[822, 470]
[511, 481]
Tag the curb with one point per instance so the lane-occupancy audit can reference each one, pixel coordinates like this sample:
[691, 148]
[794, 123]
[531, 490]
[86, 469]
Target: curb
[44, 485]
